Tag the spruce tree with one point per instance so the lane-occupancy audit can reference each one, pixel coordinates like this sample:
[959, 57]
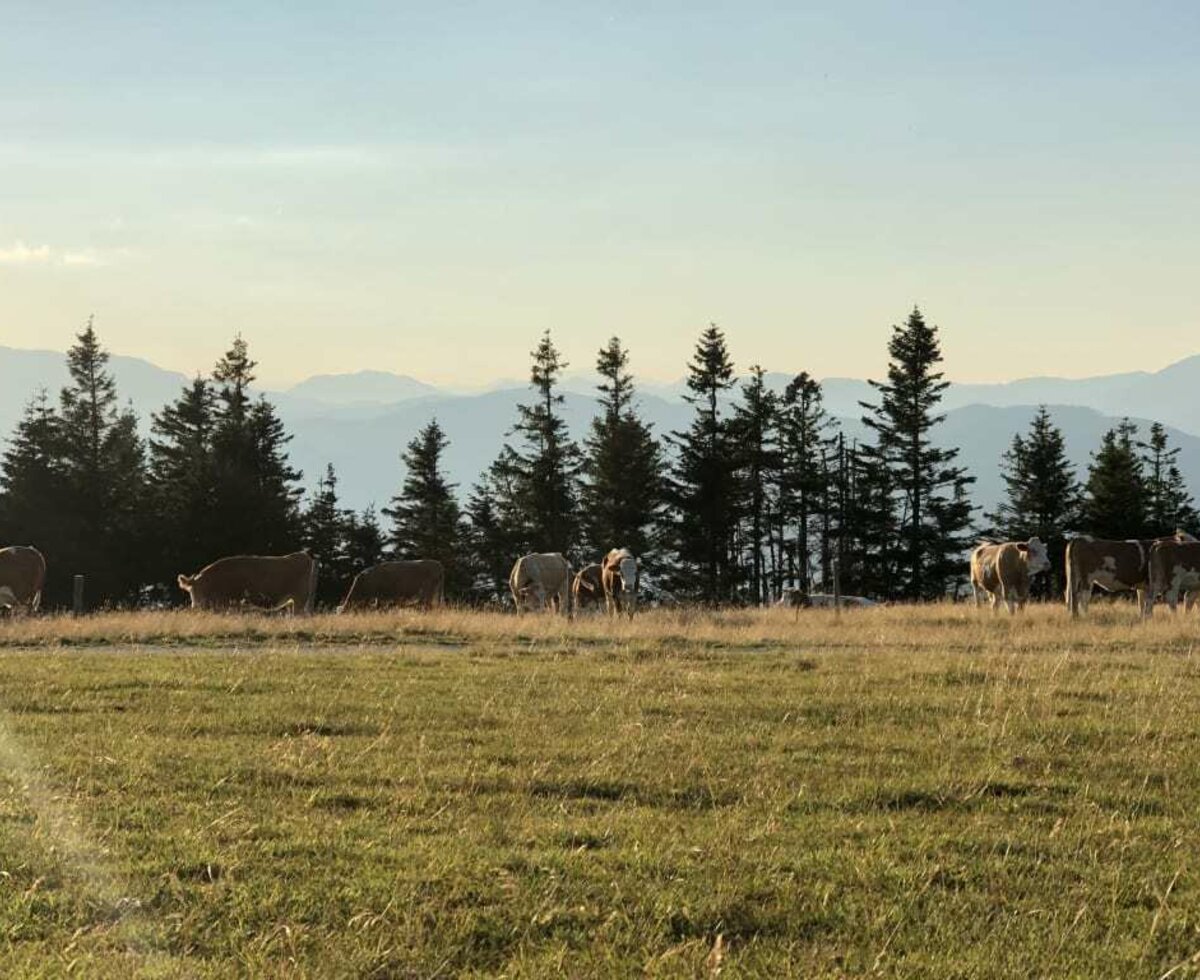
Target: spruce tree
[325, 532]
[806, 446]
[754, 428]
[103, 461]
[623, 490]
[1169, 504]
[1114, 504]
[704, 484]
[538, 483]
[181, 486]
[365, 542]
[1041, 492]
[923, 474]
[495, 536]
[426, 519]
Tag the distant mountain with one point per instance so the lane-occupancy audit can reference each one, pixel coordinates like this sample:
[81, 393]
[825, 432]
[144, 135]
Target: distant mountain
[379, 387]
[361, 422]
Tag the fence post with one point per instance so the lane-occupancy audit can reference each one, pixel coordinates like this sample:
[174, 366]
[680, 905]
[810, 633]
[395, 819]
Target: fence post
[837, 586]
[77, 597]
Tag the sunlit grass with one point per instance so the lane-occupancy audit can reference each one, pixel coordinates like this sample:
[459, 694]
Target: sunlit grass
[917, 792]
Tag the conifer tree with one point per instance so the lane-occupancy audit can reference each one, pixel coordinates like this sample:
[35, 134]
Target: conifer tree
[426, 519]
[495, 536]
[1169, 504]
[1114, 504]
[1042, 493]
[623, 491]
[754, 427]
[365, 542]
[704, 484]
[325, 531]
[806, 445]
[922, 473]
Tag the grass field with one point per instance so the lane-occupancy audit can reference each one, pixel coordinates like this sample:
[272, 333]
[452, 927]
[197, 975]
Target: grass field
[906, 792]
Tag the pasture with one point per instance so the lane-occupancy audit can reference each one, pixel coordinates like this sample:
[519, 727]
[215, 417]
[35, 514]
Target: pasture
[904, 792]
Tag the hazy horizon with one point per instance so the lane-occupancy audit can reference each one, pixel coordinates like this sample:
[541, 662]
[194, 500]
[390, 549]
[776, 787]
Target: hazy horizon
[425, 190]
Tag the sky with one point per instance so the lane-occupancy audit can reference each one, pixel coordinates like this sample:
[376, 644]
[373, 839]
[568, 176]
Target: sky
[425, 188]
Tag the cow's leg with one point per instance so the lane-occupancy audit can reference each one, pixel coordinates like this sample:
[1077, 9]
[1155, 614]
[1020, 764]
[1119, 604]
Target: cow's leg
[977, 594]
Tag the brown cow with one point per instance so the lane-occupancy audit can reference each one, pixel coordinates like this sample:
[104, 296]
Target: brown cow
[394, 583]
[1003, 571]
[1114, 566]
[1174, 571]
[544, 579]
[620, 575]
[23, 573]
[588, 589]
[269, 582]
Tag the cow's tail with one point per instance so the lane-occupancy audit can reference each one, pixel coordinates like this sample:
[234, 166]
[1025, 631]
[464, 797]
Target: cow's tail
[1073, 584]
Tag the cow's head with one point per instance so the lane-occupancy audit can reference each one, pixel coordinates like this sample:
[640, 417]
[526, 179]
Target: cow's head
[186, 582]
[1182, 536]
[1037, 558]
[623, 565]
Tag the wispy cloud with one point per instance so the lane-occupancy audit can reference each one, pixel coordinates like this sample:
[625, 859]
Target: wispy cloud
[21, 253]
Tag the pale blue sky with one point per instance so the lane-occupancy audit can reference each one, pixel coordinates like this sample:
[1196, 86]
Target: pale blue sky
[426, 188]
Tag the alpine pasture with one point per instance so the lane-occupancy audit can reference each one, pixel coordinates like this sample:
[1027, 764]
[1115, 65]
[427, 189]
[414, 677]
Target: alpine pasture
[904, 791]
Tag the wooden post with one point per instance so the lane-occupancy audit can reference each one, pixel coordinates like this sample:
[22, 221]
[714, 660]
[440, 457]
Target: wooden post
[77, 596]
[837, 585]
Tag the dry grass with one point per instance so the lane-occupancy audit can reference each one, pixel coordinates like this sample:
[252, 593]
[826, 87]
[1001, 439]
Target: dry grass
[909, 792]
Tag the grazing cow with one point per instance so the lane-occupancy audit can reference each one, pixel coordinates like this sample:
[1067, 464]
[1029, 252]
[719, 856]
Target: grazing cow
[619, 574]
[394, 583]
[542, 580]
[587, 589]
[799, 599]
[269, 582]
[1114, 566]
[1003, 571]
[23, 573]
[1174, 571]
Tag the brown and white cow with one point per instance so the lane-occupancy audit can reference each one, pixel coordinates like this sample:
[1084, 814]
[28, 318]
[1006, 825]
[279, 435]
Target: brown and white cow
[1114, 566]
[267, 582]
[1174, 571]
[1003, 571]
[542, 581]
[588, 588]
[23, 573]
[620, 575]
[395, 583]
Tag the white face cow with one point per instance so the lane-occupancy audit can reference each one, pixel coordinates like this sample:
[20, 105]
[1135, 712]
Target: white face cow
[627, 571]
[1038, 558]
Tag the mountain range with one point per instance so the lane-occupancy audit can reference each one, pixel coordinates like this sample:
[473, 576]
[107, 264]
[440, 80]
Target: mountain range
[360, 422]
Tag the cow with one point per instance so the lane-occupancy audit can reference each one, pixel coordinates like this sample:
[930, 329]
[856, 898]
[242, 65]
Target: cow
[23, 573]
[394, 583]
[1114, 566]
[1003, 571]
[1174, 571]
[587, 589]
[268, 582]
[543, 580]
[619, 575]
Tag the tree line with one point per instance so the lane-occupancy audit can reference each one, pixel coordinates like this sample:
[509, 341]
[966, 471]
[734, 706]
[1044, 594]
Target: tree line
[761, 492]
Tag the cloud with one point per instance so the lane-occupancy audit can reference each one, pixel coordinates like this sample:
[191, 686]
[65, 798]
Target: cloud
[21, 253]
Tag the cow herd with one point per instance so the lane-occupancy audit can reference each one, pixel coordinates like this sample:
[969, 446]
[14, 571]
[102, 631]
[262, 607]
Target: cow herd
[1167, 567]
[1001, 572]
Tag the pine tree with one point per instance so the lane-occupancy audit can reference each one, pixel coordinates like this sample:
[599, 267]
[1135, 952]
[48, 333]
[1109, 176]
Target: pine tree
[365, 543]
[256, 492]
[426, 519]
[538, 484]
[1042, 493]
[704, 485]
[495, 537]
[1114, 503]
[181, 485]
[623, 492]
[103, 462]
[754, 428]
[34, 492]
[806, 447]
[923, 474]
[325, 533]
[1169, 504]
